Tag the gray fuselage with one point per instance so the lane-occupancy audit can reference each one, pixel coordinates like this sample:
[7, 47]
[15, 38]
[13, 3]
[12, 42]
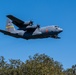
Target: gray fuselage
[43, 32]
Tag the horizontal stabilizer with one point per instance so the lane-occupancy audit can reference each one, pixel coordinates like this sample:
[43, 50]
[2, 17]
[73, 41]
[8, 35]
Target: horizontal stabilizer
[10, 34]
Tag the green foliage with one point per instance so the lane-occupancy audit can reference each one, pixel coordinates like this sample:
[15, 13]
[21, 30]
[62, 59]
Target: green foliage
[39, 64]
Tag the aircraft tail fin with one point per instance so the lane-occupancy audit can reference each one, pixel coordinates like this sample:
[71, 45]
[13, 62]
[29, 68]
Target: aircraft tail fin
[9, 26]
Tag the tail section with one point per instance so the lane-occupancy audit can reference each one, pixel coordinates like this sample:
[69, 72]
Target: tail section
[9, 26]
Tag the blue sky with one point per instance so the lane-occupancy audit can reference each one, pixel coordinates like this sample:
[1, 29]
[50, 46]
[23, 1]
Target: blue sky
[43, 12]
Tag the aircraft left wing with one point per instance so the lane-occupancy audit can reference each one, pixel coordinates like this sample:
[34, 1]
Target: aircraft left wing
[10, 34]
[22, 26]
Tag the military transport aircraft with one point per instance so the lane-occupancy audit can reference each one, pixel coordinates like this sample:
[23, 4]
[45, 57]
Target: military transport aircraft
[28, 31]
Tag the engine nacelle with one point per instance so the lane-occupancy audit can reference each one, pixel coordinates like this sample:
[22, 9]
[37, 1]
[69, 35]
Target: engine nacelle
[30, 23]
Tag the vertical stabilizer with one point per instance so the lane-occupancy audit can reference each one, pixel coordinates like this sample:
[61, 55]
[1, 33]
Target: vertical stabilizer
[9, 26]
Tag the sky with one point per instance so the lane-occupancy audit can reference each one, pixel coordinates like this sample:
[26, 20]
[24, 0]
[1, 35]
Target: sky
[45, 13]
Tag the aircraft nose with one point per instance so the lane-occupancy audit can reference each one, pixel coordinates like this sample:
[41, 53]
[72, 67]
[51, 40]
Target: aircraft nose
[61, 30]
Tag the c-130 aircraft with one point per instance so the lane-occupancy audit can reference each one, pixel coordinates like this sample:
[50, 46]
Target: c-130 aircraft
[28, 31]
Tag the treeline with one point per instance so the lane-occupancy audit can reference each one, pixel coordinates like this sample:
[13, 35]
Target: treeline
[39, 64]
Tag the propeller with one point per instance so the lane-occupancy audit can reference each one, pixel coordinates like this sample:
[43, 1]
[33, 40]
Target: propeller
[38, 26]
[31, 22]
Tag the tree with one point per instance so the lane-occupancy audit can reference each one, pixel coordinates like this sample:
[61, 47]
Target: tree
[2, 62]
[39, 64]
[42, 65]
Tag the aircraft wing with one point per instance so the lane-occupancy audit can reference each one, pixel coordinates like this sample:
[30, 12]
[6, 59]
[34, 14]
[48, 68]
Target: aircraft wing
[19, 23]
[16, 21]
[10, 34]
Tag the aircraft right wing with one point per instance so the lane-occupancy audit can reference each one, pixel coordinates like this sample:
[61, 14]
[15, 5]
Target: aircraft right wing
[16, 21]
[10, 34]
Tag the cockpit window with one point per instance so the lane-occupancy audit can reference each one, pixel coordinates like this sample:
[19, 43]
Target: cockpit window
[56, 27]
